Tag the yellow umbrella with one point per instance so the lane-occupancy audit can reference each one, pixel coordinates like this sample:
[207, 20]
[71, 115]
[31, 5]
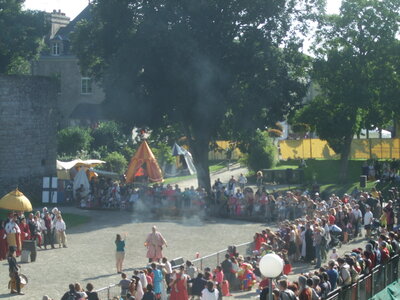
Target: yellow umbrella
[15, 200]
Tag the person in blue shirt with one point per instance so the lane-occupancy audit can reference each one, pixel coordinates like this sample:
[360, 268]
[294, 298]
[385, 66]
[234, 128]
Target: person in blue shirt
[120, 254]
[333, 275]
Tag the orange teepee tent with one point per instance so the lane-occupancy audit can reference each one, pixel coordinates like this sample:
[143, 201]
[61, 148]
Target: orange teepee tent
[144, 163]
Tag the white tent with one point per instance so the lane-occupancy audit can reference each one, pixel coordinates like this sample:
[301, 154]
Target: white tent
[81, 179]
[89, 163]
[179, 151]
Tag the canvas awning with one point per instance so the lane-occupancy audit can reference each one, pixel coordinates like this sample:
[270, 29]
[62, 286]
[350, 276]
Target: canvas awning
[89, 163]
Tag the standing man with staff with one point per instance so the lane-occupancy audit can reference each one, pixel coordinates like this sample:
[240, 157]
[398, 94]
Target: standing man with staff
[154, 243]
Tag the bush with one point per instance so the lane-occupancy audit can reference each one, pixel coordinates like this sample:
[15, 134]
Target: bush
[115, 162]
[72, 140]
[261, 152]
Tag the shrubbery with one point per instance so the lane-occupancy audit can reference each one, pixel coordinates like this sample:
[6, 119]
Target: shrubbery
[260, 152]
[115, 162]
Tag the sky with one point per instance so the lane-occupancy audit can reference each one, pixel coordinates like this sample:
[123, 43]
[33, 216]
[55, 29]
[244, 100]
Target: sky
[73, 7]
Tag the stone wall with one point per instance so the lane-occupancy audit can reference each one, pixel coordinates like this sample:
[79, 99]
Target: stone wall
[28, 149]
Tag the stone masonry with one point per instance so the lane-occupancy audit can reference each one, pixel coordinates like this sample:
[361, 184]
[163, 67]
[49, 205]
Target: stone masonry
[28, 149]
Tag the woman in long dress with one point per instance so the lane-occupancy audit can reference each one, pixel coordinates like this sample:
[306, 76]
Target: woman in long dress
[179, 286]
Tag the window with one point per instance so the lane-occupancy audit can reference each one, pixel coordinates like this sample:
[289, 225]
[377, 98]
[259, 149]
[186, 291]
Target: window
[56, 49]
[86, 85]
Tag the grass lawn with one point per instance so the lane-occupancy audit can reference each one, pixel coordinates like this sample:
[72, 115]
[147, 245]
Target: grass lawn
[326, 174]
[324, 171]
[346, 188]
[213, 168]
[74, 220]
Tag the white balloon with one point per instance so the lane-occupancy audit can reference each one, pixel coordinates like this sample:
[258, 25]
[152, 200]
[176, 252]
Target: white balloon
[271, 265]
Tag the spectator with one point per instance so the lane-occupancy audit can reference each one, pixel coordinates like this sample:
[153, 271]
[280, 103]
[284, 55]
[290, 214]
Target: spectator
[91, 295]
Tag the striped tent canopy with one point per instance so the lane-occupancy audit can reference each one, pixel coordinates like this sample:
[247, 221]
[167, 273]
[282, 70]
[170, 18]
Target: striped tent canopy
[143, 163]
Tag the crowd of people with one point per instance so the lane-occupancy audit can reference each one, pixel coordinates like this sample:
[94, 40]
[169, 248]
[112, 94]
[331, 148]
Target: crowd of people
[46, 228]
[108, 194]
[311, 239]
[310, 229]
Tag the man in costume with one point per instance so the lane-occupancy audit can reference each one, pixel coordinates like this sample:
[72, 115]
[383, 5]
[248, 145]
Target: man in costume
[15, 283]
[13, 234]
[154, 243]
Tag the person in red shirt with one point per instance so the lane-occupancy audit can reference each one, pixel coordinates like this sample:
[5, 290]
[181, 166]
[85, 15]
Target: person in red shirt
[25, 231]
[384, 252]
[332, 218]
[3, 242]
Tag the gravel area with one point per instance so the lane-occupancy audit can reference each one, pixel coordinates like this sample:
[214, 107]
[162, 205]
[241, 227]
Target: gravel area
[90, 256]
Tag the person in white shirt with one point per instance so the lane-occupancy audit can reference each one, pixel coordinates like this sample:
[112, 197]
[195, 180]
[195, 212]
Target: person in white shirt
[368, 219]
[13, 233]
[210, 292]
[357, 220]
[168, 271]
[242, 180]
[60, 228]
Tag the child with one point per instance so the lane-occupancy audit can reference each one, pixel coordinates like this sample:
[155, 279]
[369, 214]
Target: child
[334, 256]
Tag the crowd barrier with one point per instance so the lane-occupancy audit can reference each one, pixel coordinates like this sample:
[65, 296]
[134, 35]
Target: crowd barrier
[109, 292]
[214, 259]
[211, 261]
[369, 285]
[365, 288]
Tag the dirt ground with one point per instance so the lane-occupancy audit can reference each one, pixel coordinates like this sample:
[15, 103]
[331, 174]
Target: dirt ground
[90, 256]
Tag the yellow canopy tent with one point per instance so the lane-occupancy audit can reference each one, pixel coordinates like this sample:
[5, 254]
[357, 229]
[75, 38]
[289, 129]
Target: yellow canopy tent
[15, 200]
[144, 163]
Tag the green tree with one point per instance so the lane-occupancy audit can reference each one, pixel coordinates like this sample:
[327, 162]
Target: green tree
[356, 59]
[21, 36]
[260, 151]
[72, 140]
[197, 63]
[116, 162]
[109, 135]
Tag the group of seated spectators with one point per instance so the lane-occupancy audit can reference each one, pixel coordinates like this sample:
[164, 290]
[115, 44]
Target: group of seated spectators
[385, 171]
[110, 194]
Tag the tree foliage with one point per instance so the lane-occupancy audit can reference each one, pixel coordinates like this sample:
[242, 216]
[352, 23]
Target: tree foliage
[260, 151]
[116, 162]
[21, 35]
[109, 135]
[356, 68]
[197, 63]
[71, 140]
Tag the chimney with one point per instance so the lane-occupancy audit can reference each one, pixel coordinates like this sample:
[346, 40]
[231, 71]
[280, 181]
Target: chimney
[57, 21]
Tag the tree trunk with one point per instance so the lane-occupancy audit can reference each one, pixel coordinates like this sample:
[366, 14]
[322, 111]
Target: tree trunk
[199, 148]
[344, 158]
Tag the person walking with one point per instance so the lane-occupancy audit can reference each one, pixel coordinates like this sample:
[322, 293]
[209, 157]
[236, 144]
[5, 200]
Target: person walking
[120, 253]
[154, 243]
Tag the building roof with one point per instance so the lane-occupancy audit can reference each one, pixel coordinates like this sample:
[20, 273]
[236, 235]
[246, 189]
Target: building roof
[64, 32]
